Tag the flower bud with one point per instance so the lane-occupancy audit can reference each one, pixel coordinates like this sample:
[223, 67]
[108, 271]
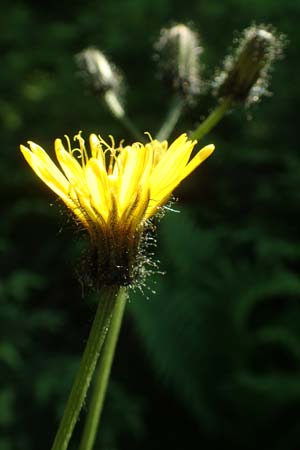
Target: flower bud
[245, 74]
[178, 53]
[98, 73]
[101, 77]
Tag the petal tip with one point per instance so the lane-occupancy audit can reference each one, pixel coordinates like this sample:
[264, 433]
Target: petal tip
[23, 148]
[58, 145]
[208, 149]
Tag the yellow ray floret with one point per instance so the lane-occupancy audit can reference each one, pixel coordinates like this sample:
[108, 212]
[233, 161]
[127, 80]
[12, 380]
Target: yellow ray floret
[115, 183]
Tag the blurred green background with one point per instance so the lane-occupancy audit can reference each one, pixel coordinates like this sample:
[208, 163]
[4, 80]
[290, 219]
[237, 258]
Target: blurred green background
[214, 356]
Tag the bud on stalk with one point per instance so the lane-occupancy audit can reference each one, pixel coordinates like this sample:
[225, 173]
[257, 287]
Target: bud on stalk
[101, 77]
[178, 52]
[245, 74]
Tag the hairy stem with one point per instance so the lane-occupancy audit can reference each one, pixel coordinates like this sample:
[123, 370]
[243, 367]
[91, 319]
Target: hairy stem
[86, 368]
[211, 121]
[172, 118]
[102, 374]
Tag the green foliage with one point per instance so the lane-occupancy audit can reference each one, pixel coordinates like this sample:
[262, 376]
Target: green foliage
[224, 331]
[124, 415]
[221, 334]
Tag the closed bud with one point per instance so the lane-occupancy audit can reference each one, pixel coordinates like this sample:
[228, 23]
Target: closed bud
[101, 77]
[178, 53]
[245, 74]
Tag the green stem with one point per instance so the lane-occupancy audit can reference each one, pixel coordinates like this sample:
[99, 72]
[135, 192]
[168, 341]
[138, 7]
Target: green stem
[102, 374]
[172, 118]
[129, 125]
[86, 368]
[114, 105]
[212, 120]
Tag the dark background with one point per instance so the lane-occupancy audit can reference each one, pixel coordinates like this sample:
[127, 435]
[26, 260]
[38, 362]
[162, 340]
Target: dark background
[213, 356]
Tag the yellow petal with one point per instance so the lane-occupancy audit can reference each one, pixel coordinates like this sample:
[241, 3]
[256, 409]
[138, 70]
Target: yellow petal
[96, 149]
[171, 164]
[97, 182]
[140, 178]
[71, 167]
[201, 156]
[160, 192]
[48, 172]
[132, 172]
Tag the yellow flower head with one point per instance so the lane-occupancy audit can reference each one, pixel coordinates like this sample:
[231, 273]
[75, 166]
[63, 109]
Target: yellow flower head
[113, 191]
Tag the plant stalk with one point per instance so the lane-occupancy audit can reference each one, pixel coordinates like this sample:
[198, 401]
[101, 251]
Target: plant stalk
[102, 374]
[129, 125]
[172, 118]
[212, 120]
[86, 368]
[116, 108]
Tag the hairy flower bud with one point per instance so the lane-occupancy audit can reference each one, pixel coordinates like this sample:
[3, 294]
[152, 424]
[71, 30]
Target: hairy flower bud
[245, 74]
[178, 53]
[101, 77]
[99, 74]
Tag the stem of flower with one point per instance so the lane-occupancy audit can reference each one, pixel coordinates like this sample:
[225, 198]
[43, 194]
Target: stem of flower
[86, 368]
[212, 120]
[172, 118]
[119, 113]
[102, 374]
[129, 125]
